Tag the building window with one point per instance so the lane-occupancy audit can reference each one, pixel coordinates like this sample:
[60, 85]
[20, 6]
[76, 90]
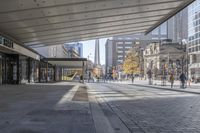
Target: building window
[119, 43]
[155, 31]
[128, 42]
[155, 38]
[189, 50]
[163, 29]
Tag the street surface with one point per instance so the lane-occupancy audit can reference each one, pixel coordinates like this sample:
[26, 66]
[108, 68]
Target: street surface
[148, 110]
[158, 84]
[96, 108]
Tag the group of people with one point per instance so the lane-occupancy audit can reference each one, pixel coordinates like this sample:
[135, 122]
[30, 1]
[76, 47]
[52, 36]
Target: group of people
[183, 80]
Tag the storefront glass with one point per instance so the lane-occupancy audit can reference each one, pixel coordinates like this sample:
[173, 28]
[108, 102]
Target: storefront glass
[10, 69]
[50, 73]
[1, 69]
[34, 71]
[23, 69]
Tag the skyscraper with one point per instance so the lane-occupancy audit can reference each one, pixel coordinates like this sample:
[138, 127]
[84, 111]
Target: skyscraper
[97, 71]
[175, 29]
[194, 40]
[97, 54]
[75, 49]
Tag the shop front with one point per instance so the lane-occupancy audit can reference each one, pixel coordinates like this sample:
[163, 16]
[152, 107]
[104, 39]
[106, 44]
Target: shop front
[194, 72]
[8, 69]
[17, 63]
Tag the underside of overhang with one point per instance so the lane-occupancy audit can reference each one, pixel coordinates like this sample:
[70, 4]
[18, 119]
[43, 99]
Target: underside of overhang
[67, 62]
[52, 22]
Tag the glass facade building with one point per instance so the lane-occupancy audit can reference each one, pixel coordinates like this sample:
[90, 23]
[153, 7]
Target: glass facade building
[194, 39]
[194, 27]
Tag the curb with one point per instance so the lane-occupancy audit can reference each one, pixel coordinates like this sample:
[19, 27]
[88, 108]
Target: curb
[155, 87]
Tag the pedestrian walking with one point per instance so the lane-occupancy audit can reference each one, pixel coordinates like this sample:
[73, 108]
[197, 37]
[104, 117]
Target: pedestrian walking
[132, 78]
[171, 78]
[189, 82]
[89, 77]
[182, 79]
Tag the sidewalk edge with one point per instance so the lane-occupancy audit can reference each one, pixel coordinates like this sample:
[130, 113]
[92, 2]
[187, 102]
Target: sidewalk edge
[159, 87]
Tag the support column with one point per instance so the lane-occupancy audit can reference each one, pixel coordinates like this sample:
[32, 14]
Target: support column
[18, 73]
[83, 72]
[47, 72]
[29, 70]
[39, 71]
[55, 72]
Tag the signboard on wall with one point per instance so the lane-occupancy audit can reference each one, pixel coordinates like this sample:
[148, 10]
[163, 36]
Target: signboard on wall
[10, 45]
[6, 42]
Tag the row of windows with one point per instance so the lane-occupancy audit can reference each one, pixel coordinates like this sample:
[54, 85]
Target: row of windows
[196, 22]
[120, 58]
[197, 29]
[125, 47]
[120, 47]
[194, 42]
[194, 7]
[194, 15]
[194, 49]
[196, 36]
[193, 23]
[124, 43]
[120, 51]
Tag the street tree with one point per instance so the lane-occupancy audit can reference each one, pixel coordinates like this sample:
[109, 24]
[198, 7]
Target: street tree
[131, 64]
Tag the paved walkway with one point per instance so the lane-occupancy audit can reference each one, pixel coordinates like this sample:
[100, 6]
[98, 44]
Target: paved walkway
[193, 88]
[68, 107]
[150, 110]
[64, 107]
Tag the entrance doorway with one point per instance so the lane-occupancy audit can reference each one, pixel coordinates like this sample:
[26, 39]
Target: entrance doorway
[1, 69]
[8, 69]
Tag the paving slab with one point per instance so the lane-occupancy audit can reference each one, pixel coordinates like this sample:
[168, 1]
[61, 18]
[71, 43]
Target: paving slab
[43, 108]
[153, 110]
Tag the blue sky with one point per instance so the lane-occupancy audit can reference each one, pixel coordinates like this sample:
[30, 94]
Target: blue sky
[89, 48]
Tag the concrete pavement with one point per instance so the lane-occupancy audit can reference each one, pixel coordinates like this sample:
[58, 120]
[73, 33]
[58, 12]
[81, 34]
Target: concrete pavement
[150, 110]
[193, 88]
[64, 107]
[68, 107]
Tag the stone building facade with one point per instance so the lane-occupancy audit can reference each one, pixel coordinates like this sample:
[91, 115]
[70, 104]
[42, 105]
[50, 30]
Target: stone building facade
[163, 58]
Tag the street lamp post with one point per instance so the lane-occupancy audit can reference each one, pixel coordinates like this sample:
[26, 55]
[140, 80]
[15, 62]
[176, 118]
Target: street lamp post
[88, 70]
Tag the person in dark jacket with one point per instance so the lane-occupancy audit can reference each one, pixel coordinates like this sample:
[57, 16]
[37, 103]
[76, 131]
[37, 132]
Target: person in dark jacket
[171, 78]
[132, 77]
[182, 79]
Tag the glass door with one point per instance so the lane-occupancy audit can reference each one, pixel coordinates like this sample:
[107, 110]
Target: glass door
[3, 70]
[0, 69]
[10, 69]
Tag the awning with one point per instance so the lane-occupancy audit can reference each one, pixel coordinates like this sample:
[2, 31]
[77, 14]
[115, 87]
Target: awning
[17, 49]
[51, 22]
[67, 62]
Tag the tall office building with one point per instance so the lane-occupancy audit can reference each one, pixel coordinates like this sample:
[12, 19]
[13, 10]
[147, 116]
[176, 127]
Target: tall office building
[194, 39]
[174, 29]
[74, 49]
[177, 27]
[97, 70]
[97, 54]
[117, 48]
[55, 51]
